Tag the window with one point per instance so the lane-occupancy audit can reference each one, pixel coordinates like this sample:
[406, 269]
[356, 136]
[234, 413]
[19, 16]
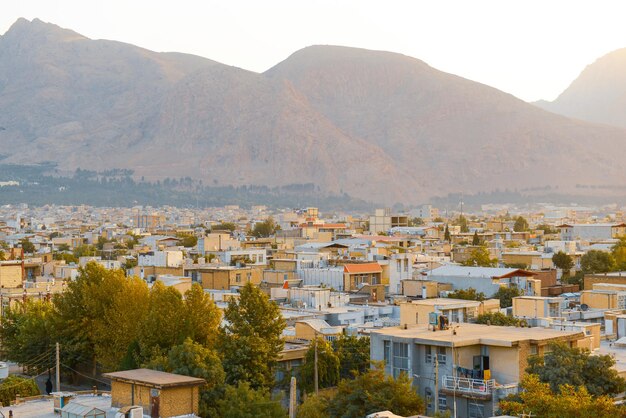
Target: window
[400, 359]
[249, 276]
[441, 355]
[534, 350]
[429, 399]
[429, 354]
[454, 315]
[406, 264]
[238, 278]
[387, 352]
[475, 410]
[398, 266]
[443, 402]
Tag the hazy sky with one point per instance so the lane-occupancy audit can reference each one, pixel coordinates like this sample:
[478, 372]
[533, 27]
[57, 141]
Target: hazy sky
[531, 48]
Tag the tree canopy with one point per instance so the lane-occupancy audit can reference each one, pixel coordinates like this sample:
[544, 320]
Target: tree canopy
[538, 398]
[619, 254]
[497, 318]
[563, 261]
[565, 365]
[480, 257]
[264, 229]
[506, 295]
[596, 261]
[521, 224]
[250, 340]
[467, 294]
[354, 355]
[374, 391]
[327, 365]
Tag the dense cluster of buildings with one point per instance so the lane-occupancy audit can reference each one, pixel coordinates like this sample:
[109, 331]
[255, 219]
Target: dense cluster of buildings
[383, 276]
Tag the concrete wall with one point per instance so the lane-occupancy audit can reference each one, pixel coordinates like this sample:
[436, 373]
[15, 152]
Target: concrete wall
[11, 275]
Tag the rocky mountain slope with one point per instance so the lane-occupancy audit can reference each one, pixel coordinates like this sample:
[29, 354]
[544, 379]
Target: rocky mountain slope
[376, 125]
[598, 94]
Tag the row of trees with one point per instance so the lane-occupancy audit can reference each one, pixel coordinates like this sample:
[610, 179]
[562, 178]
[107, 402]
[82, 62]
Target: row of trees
[106, 322]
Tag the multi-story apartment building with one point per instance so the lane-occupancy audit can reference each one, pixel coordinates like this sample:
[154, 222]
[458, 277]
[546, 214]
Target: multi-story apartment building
[383, 221]
[467, 368]
[592, 232]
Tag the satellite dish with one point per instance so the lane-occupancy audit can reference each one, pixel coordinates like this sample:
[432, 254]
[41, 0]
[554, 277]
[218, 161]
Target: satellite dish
[584, 307]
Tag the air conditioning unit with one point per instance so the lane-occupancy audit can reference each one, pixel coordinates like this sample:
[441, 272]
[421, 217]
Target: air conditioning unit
[130, 412]
[136, 412]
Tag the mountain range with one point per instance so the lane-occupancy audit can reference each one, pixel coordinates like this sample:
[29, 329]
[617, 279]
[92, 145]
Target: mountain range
[376, 125]
[598, 94]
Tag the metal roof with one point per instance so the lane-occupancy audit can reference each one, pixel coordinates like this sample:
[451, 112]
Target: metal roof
[76, 408]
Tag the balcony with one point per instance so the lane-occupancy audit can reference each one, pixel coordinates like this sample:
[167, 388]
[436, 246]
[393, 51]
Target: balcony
[464, 386]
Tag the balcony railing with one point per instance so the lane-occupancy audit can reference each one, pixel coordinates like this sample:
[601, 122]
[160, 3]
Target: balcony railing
[468, 385]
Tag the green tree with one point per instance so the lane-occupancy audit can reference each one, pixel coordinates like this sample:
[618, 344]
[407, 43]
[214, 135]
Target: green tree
[467, 294]
[327, 366]
[506, 295]
[264, 229]
[201, 316]
[353, 353]
[563, 261]
[27, 246]
[81, 309]
[498, 318]
[27, 332]
[242, 401]
[520, 225]
[120, 325]
[250, 340]
[475, 239]
[196, 360]
[69, 258]
[537, 399]
[374, 391]
[314, 406]
[446, 234]
[188, 241]
[574, 366]
[164, 326]
[84, 250]
[462, 222]
[480, 257]
[224, 226]
[618, 251]
[14, 385]
[595, 261]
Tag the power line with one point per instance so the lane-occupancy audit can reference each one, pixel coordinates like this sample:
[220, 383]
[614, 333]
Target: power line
[84, 375]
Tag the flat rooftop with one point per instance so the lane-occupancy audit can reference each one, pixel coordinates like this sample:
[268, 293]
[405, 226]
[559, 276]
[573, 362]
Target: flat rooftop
[445, 301]
[153, 378]
[475, 334]
[45, 407]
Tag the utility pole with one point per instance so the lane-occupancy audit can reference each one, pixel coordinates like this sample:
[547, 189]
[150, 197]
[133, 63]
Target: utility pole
[292, 398]
[58, 370]
[436, 381]
[315, 368]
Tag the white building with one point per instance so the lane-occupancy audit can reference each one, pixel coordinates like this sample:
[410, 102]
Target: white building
[171, 258]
